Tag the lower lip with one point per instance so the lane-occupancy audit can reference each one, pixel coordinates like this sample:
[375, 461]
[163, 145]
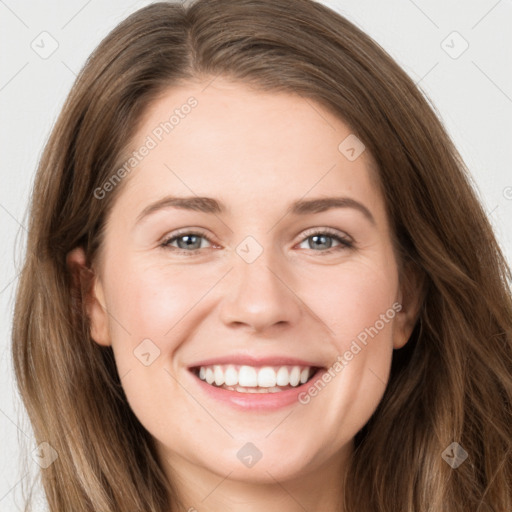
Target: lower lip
[257, 401]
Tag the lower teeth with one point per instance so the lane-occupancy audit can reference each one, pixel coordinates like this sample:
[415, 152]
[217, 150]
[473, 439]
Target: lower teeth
[241, 389]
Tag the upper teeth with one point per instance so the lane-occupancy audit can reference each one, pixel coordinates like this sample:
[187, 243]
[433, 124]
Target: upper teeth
[250, 376]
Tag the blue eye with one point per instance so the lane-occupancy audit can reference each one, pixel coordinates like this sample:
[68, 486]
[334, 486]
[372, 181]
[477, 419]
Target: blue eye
[187, 242]
[190, 242]
[323, 239]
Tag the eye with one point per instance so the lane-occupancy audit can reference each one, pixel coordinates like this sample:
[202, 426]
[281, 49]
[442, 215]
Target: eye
[188, 242]
[322, 239]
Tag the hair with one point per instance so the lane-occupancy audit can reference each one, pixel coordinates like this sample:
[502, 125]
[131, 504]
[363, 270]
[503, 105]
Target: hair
[452, 382]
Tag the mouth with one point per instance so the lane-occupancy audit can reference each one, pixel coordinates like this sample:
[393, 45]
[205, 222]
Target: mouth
[255, 379]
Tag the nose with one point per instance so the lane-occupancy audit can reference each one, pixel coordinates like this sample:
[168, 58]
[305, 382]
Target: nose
[260, 295]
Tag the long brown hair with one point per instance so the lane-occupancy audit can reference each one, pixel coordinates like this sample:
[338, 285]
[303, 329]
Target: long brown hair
[452, 382]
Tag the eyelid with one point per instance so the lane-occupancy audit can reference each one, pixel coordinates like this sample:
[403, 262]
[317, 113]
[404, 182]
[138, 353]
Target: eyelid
[328, 231]
[344, 240]
[186, 231]
[305, 234]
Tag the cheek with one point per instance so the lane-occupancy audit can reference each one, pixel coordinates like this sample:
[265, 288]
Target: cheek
[353, 297]
[359, 306]
[148, 323]
[152, 302]
[154, 310]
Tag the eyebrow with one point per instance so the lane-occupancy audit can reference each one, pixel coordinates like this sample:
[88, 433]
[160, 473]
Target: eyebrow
[212, 206]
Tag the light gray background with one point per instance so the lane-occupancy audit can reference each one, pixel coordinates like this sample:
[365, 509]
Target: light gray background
[472, 93]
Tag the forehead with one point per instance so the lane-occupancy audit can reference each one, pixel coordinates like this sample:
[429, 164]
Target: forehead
[245, 147]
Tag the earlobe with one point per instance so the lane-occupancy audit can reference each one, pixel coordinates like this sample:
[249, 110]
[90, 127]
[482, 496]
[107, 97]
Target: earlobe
[410, 297]
[90, 290]
[403, 329]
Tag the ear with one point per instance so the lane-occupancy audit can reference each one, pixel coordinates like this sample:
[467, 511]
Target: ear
[85, 280]
[411, 295]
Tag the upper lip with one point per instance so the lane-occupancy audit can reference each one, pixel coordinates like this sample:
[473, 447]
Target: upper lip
[253, 360]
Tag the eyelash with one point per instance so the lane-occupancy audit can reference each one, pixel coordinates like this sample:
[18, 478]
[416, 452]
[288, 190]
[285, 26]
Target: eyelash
[344, 242]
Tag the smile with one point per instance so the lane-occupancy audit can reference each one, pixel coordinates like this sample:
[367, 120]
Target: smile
[254, 379]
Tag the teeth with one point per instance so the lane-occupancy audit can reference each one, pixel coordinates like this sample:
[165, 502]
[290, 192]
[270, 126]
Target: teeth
[304, 375]
[283, 376]
[247, 376]
[230, 376]
[295, 376]
[209, 376]
[241, 389]
[267, 377]
[219, 375]
[261, 379]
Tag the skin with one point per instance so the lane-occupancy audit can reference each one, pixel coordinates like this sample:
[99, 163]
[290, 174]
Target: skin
[256, 152]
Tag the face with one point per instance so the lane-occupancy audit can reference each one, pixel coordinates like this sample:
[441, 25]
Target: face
[250, 277]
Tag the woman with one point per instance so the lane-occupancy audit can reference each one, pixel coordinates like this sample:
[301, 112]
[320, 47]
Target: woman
[340, 337]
